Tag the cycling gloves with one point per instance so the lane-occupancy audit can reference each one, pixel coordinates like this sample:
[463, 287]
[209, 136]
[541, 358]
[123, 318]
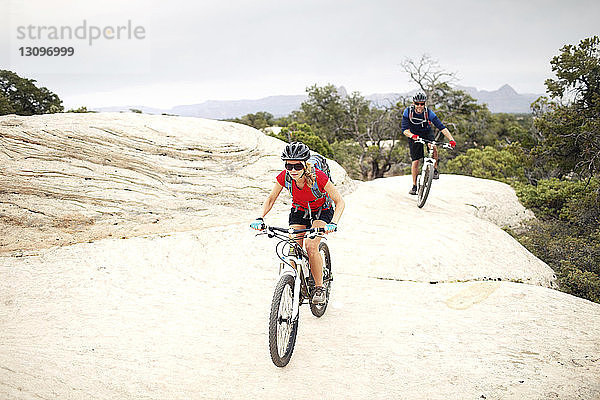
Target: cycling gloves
[259, 224]
[330, 228]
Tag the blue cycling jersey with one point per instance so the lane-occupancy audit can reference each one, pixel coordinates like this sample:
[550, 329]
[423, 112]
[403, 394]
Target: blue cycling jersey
[418, 124]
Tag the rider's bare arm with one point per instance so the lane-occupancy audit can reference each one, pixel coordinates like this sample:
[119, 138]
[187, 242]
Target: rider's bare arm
[407, 133]
[447, 133]
[271, 199]
[337, 199]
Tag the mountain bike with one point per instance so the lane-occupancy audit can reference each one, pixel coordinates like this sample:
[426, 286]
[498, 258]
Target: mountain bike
[426, 177]
[295, 287]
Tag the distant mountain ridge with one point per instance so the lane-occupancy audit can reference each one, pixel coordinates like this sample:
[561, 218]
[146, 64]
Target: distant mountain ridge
[503, 100]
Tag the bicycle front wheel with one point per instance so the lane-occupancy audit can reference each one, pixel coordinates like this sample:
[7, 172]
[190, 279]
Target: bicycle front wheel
[425, 185]
[319, 309]
[282, 330]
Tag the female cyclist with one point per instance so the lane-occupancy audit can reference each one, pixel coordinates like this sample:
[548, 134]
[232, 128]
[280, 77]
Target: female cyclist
[312, 195]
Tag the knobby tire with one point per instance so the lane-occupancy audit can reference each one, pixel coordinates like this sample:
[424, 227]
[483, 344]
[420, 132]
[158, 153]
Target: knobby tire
[319, 309]
[425, 186]
[281, 342]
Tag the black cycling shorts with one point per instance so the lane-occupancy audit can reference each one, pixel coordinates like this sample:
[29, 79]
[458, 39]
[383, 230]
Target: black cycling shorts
[416, 149]
[297, 217]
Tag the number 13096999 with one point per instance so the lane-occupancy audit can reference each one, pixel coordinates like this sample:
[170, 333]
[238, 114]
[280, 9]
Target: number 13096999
[46, 51]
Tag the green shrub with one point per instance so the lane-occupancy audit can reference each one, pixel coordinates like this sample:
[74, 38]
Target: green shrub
[347, 154]
[304, 133]
[570, 201]
[572, 250]
[258, 120]
[22, 97]
[505, 165]
[584, 284]
[82, 109]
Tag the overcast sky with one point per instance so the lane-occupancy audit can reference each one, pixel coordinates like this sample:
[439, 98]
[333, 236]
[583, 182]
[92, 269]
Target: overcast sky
[190, 52]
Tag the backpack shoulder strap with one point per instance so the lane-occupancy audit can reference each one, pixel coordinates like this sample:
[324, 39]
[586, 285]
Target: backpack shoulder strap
[427, 116]
[316, 191]
[315, 186]
[288, 183]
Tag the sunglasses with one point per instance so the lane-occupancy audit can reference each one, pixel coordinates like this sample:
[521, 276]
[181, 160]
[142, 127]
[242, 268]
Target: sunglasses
[297, 167]
[419, 103]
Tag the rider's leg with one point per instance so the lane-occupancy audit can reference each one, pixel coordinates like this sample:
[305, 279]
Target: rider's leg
[414, 169]
[299, 237]
[314, 257]
[296, 220]
[435, 156]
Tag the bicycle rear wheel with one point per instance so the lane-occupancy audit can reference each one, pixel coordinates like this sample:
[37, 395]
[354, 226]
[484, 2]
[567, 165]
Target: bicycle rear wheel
[282, 330]
[425, 185]
[319, 309]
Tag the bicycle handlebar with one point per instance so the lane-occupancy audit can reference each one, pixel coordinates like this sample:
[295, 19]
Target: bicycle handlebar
[293, 231]
[272, 231]
[433, 142]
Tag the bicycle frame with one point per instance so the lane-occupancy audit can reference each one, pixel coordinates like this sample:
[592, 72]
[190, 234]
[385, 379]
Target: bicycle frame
[427, 170]
[299, 259]
[433, 143]
[288, 269]
[429, 160]
[292, 288]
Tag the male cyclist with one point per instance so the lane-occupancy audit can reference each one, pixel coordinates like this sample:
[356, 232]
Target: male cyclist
[416, 123]
[312, 192]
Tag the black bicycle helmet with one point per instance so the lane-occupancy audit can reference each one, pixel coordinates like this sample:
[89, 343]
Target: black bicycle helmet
[420, 97]
[296, 151]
